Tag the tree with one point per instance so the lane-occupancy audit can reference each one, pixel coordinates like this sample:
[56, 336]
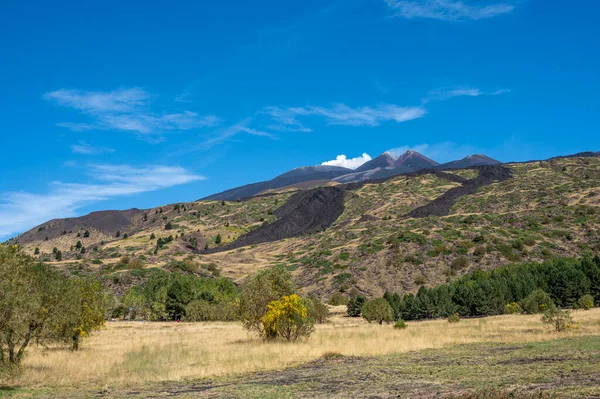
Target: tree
[287, 318]
[91, 304]
[82, 250]
[169, 226]
[78, 245]
[258, 291]
[58, 256]
[118, 234]
[152, 236]
[557, 318]
[34, 300]
[377, 310]
[86, 234]
[355, 304]
[218, 239]
[37, 251]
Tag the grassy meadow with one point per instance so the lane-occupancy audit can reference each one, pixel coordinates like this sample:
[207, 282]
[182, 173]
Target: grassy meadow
[131, 357]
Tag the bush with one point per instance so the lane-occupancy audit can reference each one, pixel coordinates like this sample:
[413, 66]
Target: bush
[537, 302]
[400, 325]
[513, 308]
[586, 302]
[377, 310]
[558, 318]
[462, 262]
[317, 310]
[338, 299]
[454, 318]
[287, 318]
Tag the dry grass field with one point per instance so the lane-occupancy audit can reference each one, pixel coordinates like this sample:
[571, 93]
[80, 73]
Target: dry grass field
[129, 355]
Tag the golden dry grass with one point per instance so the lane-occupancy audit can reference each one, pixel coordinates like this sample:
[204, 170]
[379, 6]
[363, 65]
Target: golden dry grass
[134, 353]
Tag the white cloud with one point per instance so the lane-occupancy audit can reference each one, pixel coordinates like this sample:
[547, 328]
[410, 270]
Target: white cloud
[125, 110]
[341, 114]
[87, 149]
[448, 93]
[350, 163]
[22, 210]
[446, 10]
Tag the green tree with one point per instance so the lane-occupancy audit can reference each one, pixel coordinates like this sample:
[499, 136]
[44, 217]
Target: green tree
[86, 234]
[34, 300]
[37, 251]
[355, 304]
[258, 291]
[218, 239]
[78, 245]
[91, 302]
[377, 310]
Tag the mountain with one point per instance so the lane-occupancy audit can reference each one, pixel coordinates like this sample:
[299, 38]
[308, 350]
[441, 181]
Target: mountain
[386, 165]
[467, 162]
[383, 161]
[396, 234]
[373, 174]
[415, 161]
[294, 176]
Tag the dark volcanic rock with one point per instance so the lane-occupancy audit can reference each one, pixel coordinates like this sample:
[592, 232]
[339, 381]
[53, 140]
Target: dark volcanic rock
[441, 205]
[305, 212]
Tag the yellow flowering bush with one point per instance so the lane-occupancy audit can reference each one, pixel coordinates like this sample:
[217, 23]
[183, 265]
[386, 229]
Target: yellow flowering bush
[287, 318]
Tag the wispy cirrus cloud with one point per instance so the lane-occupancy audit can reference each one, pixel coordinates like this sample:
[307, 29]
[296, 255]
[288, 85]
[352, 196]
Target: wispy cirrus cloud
[350, 163]
[446, 10]
[23, 210]
[85, 148]
[448, 93]
[341, 114]
[128, 110]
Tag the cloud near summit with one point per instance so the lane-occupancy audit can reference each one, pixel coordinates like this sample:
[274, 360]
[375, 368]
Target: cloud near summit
[350, 163]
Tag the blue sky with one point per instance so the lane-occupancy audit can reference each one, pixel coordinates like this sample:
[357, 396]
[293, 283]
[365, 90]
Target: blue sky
[121, 104]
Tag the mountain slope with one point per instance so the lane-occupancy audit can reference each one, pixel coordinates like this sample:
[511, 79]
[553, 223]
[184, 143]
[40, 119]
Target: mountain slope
[294, 176]
[469, 161]
[421, 228]
[413, 160]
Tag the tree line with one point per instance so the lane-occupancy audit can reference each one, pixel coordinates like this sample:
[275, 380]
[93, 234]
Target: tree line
[484, 293]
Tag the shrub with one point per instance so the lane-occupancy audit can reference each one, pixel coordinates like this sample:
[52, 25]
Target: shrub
[218, 239]
[557, 318]
[454, 318]
[355, 304]
[400, 324]
[462, 262]
[537, 302]
[136, 264]
[513, 308]
[317, 310]
[586, 302]
[287, 318]
[338, 299]
[420, 280]
[377, 310]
